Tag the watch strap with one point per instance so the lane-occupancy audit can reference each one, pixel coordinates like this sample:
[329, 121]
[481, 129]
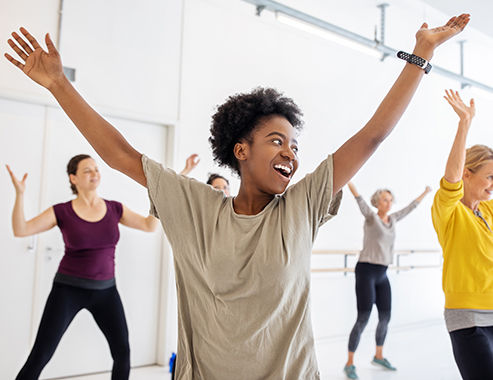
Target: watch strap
[415, 60]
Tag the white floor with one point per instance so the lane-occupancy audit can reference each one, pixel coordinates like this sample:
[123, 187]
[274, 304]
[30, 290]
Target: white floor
[420, 352]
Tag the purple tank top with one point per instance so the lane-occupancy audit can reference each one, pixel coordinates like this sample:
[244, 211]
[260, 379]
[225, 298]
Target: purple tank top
[89, 246]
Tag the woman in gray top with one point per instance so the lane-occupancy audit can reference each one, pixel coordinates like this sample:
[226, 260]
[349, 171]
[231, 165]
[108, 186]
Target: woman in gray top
[372, 284]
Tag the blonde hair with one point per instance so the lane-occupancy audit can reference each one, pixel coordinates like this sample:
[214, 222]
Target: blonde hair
[376, 196]
[476, 157]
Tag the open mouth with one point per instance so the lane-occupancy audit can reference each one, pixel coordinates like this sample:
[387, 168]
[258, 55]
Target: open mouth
[284, 170]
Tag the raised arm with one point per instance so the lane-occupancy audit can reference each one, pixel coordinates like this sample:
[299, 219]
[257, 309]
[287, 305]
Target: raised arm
[352, 188]
[398, 215]
[423, 194]
[363, 206]
[133, 220]
[457, 156]
[190, 164]
[43, 222]
[349, 158]
[45, 68]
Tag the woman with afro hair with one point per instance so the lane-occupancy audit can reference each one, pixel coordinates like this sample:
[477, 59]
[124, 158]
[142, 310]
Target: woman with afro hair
[242, 263]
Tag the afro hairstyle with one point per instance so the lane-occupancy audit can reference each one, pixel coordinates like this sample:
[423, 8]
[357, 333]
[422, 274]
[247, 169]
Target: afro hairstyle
[235, 120]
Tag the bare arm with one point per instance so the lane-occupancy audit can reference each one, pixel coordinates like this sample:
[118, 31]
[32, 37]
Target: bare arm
[133, 220]
[190, 164]
[43, 222]
[349, 158]
[423, 194]
[353, 190]
[457, 156]
[45, 68]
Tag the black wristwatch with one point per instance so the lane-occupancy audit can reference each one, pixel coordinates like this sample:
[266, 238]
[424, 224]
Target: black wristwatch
[415, 60]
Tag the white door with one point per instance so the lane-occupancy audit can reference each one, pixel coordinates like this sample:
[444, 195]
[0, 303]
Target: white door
[83, 348]
[21, 143]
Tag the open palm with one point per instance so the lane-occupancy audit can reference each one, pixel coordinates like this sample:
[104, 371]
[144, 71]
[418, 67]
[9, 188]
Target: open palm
[465, 112]
[437, 36]
[20, 186]
[41, 66]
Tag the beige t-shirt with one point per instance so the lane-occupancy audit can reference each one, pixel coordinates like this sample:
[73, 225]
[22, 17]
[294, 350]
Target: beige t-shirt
[242, 281]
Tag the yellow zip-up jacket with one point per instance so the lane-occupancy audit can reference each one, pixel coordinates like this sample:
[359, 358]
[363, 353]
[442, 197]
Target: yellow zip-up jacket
[467, 246]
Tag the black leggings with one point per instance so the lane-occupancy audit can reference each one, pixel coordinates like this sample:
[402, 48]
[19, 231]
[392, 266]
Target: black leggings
[63, 303]
[473, 352]
[372, 287]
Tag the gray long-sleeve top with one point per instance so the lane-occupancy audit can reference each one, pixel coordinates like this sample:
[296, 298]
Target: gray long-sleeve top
[379, 237]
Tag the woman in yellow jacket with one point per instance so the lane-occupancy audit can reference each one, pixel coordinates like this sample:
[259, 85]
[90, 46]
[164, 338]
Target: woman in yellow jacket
[462, 214]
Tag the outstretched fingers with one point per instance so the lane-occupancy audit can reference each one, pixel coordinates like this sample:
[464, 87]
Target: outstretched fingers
[30, 38]
[451, 21]
[11, 173]
[452, 98]
[460, 22]
[28, 49]
[21, 53]
[49, 44]
[14, 61]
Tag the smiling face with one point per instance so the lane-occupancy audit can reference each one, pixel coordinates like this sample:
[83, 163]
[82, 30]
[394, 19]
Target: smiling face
[221, 184]
[478, 185]
[87, 176]
[268, 160]
[385, 202]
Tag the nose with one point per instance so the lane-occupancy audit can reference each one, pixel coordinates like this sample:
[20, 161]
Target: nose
[289, 154]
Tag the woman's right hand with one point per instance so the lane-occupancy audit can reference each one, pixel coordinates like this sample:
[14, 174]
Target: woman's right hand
[190, 164]
[45, 68]
[465, 113]
[20, 186]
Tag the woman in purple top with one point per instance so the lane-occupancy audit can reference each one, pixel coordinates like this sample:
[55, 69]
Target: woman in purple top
[86, 276]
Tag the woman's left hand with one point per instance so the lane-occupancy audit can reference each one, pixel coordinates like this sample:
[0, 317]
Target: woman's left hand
[431, 38]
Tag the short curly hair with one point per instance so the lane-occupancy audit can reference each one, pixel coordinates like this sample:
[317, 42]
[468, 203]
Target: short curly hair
[239, 116]
[375, 198]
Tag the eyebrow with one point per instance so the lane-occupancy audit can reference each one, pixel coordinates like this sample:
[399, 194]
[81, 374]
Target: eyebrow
[281, 135]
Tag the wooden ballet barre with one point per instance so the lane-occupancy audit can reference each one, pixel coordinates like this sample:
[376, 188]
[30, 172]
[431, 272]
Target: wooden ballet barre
[315, 270]
[352, 252]
[393, 267]
[403, 252]
[398, 253]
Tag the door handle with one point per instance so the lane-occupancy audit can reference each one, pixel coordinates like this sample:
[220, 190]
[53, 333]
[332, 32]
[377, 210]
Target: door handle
[33, 243]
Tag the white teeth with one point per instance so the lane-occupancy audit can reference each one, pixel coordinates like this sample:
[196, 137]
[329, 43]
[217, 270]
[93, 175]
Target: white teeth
[287, 169]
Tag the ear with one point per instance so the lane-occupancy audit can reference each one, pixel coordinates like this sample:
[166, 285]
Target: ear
[241, 150]
[466, 173]
[72, 179]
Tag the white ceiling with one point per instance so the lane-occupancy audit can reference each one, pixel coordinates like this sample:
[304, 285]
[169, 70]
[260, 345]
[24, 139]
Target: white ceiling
[481, 11]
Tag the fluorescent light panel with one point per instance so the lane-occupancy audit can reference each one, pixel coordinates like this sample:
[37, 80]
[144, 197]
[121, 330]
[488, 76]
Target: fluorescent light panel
[326, 34]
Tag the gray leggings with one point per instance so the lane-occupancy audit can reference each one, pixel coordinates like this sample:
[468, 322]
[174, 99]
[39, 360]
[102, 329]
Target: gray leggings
[372, 287]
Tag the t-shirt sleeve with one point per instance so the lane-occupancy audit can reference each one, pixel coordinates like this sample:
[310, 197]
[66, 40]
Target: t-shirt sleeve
[398, 215]
[184, 205]
[118, 209]
[152, 171]
[445, 202]
[363, 206]
[316, 190]
[59, 209]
